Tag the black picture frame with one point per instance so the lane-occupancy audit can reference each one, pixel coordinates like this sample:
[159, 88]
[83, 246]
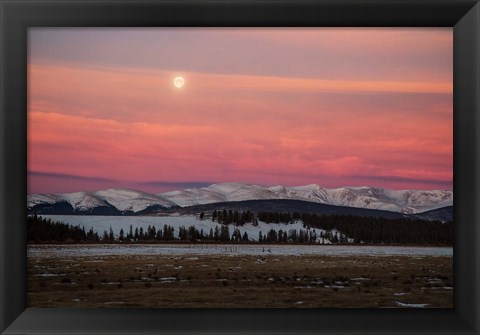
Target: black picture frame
[16, 16]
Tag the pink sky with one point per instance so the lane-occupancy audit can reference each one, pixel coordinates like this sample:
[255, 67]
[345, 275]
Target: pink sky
[331, 106]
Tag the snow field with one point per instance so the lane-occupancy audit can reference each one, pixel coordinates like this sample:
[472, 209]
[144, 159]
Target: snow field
[99, 250]
[103, 223]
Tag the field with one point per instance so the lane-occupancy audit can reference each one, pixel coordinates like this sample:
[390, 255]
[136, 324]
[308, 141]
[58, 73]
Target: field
[237, 280]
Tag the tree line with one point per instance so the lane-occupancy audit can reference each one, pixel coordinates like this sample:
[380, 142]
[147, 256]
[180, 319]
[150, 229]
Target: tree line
[42, 230]
[371, 230]
[316, 229]
[232, 217]
[45, 230]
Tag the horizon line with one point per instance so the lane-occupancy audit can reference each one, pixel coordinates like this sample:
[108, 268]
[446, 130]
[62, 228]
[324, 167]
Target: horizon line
[184, 185]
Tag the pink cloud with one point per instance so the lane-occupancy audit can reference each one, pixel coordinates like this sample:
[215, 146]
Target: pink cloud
[133, 125]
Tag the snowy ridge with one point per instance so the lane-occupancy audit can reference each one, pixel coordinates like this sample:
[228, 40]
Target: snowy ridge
[124, 200]
[135, 201]
[403, 201]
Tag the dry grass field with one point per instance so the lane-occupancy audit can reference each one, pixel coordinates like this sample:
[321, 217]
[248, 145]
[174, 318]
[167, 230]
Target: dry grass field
[240, 281]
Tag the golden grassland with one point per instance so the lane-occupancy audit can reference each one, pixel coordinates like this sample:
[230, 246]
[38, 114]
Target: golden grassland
[240, 281]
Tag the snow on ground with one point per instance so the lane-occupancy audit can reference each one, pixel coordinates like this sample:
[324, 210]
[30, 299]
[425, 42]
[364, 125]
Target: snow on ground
[103, 223]
[232, 250]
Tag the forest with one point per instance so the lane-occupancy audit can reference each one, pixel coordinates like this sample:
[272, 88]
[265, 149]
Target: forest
[373, 230]
[318, 229]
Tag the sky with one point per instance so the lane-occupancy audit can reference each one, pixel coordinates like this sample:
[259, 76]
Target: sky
[269, 106]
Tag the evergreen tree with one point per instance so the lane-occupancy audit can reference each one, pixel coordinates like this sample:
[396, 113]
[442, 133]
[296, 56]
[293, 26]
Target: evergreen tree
[210, 235]
[136, 236]
[130, 233]
[152, 233]
[225, 234]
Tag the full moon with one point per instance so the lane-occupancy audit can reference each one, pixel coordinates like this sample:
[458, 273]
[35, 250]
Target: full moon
[179, 82]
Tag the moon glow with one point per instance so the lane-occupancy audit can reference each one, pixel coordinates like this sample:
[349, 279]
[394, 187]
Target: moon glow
[179, 82]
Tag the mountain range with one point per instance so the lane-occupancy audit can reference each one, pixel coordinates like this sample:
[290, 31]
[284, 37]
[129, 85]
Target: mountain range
[128, 202]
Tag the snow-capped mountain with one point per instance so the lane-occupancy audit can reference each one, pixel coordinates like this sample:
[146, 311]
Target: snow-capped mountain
[115, 201]
[404, 201]
[135, 201]
[220, 193]
[120, 201]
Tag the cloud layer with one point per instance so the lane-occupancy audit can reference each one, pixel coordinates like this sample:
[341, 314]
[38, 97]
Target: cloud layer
[120, 121]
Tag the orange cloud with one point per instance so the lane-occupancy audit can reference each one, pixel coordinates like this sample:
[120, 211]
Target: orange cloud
[283, 84]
